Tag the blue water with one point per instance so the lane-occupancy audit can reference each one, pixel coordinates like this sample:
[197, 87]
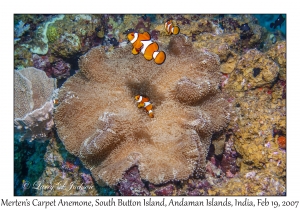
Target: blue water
[266, 19]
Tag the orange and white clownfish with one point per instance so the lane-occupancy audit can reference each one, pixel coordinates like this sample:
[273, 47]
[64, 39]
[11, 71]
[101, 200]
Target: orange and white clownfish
[142, 43]
[144, 102]
[170, 28]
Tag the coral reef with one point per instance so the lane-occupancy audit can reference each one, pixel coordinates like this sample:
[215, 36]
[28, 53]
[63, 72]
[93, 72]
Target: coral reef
[33, 105]
[58, 68]
[63, 175]
[68, 45]
[278, 54]
[259, 130]
[253, 69]
[28, 164]
[131, 183]
[20, 28]
[253, 137]
[22, 58]
[42, 63]
[222, 45]
[179, 151]
[75, 34]
[167, 190]
[61, 69]
[39, 43]
[281, 142]
[110, 138]
[252, 183]
[202, 25]
[52, 34]
[228, 163]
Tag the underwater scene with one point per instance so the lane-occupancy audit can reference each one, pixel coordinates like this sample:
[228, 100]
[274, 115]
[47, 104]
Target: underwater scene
[150, 104]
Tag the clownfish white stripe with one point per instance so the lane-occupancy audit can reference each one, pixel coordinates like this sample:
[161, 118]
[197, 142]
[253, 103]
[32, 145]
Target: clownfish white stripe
[140, 99]
[150, 111]
[145, 45]
[135, 37]
[146, 103]
[155, 54]
[169, 27]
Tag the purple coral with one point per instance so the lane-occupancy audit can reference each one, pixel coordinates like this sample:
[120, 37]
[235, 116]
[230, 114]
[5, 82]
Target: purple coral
[154, 34]
[87, 179]
[228, 162]
[198, 187]
[250, 175]
[131, 184]
[183, 20]
[167, 190]
[61, 69]
[42, 63]
[143, 25]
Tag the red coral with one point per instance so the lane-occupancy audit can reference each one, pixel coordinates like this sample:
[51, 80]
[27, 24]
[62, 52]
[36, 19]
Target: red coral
[68, 166]
[281, 142]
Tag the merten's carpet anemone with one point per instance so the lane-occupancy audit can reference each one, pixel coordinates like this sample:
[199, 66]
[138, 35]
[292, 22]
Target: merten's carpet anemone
[98, 120]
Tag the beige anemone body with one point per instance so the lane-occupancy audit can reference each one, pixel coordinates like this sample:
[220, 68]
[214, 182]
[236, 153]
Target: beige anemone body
[98, 119]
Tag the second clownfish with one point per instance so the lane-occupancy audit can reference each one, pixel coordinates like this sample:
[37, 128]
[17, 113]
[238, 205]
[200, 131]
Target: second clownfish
[142, 43]
[170, 28]
[144, 102]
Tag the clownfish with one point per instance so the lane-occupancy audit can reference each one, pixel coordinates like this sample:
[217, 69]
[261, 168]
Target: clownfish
[142, 43]
[144, 102]
[170, 28]
[55, 102]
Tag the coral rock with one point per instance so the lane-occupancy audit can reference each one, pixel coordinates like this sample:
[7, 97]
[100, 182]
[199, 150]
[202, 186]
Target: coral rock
[165, 190]
[228, 163]
[131, 183]
[278, 54]
[98, 119]
[243, 77]
[61, 69]
[33, 106]
[42, 63]
[66, 45]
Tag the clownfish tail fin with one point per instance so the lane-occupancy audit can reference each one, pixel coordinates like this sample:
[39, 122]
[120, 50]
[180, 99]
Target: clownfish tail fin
[160, 57]
[176, 30]
[150, 113]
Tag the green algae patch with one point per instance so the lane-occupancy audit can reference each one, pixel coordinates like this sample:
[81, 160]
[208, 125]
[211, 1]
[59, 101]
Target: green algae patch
[52, 34]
